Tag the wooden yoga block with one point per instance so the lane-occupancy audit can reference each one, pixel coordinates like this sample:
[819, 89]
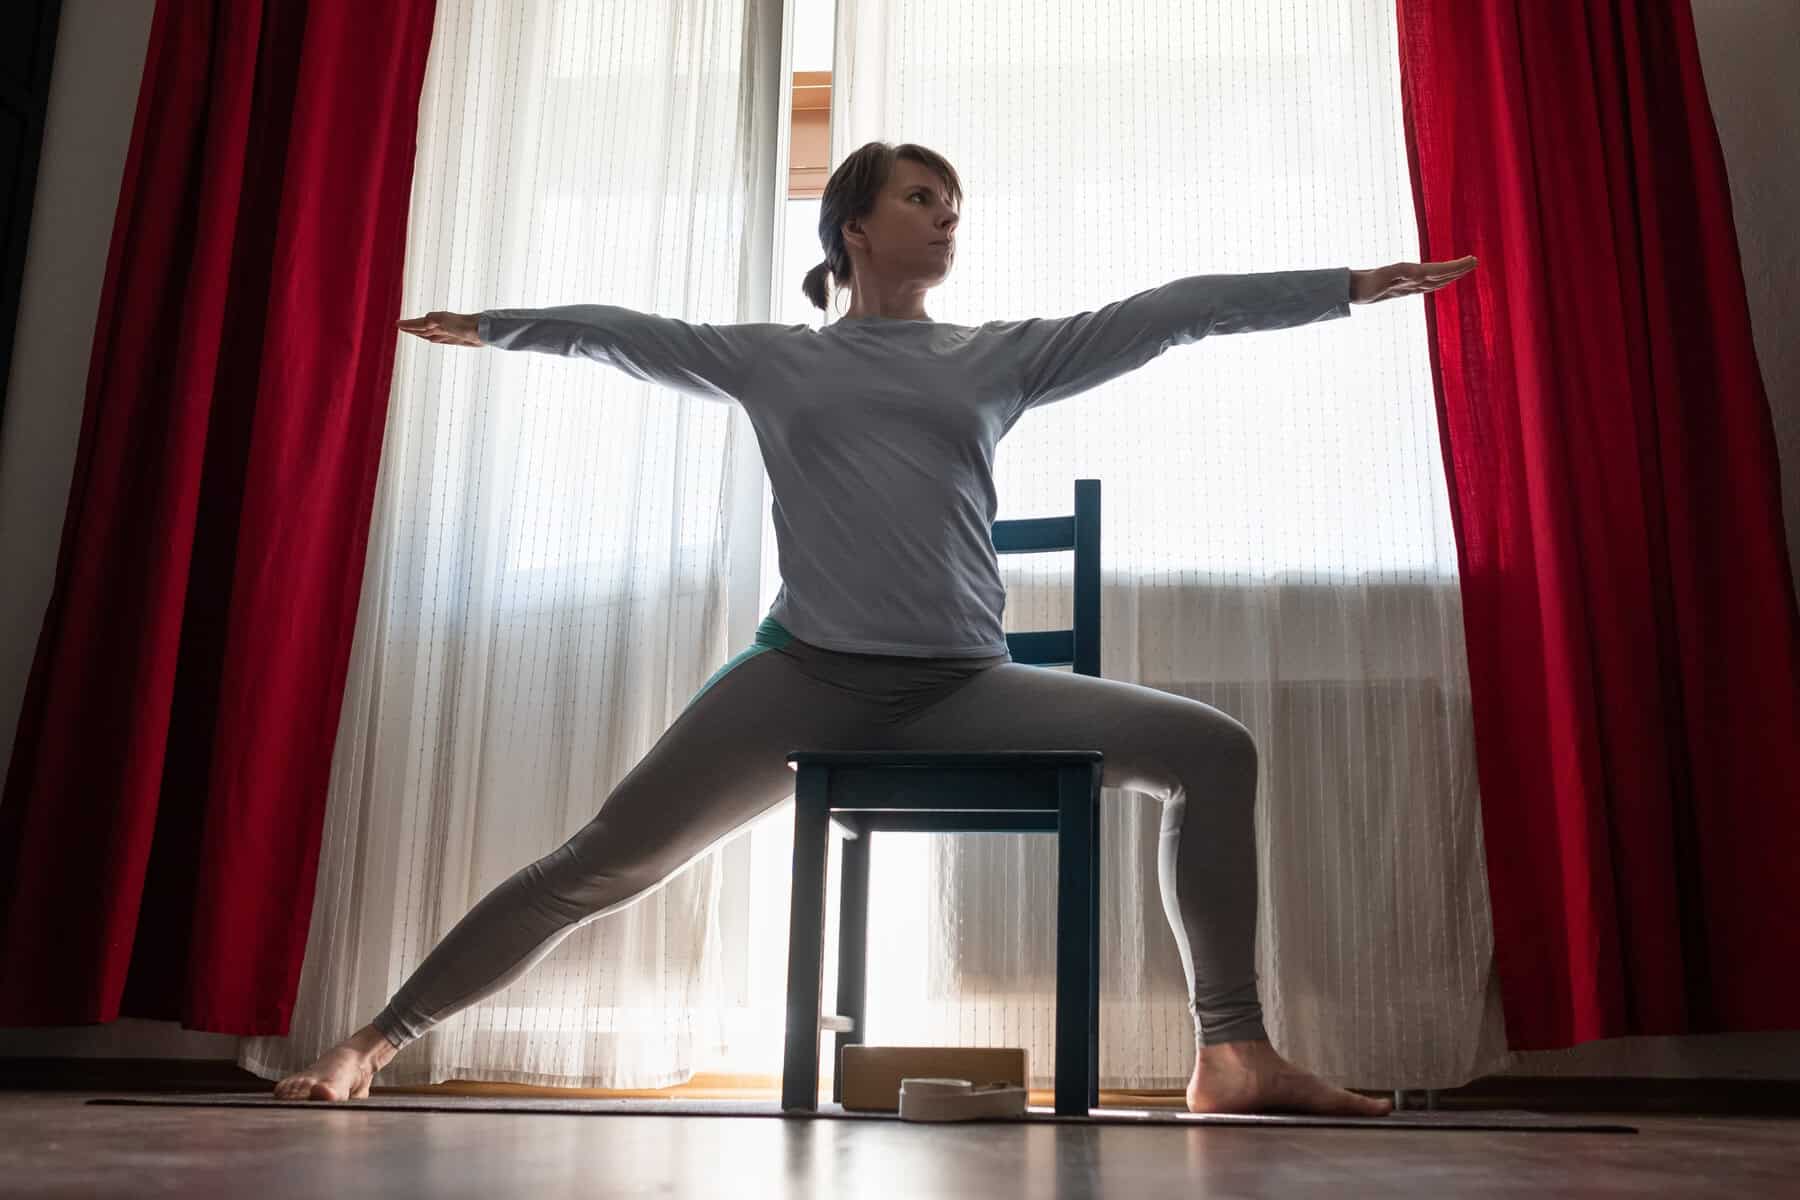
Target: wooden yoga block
[872, 1074]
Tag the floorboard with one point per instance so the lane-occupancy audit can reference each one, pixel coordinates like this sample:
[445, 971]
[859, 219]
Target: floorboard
[53, 1145]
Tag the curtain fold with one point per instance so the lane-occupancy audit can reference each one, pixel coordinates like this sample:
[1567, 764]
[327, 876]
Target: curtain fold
[1278, 540]
[549, 568]
[167, 785]
[1634, 645]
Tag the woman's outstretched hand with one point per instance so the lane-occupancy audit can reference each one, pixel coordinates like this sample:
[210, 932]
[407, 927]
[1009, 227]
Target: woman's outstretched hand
[447, 328]
[1403, 279]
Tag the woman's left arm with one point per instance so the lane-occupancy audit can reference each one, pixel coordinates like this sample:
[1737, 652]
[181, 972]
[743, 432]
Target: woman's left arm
[1065, 356]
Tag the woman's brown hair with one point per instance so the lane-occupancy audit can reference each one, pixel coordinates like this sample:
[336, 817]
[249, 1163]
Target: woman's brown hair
[850, 195]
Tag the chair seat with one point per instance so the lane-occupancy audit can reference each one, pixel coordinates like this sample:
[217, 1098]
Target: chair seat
[957, 759]
[876, 820]
[987, 791]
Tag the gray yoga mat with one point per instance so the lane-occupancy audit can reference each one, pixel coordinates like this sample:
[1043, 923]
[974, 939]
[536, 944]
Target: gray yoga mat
[1499, 1120]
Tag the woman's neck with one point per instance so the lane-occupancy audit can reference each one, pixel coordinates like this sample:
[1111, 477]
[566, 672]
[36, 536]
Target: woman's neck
[900, 302]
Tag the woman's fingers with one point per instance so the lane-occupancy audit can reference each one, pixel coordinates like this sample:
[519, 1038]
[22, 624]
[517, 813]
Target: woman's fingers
[444, 328]
[1406, 278]
[1429, 277]
[1446, 271]
[431, 320]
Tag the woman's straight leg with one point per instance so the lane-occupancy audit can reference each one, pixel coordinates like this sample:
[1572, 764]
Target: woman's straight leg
[721, 765]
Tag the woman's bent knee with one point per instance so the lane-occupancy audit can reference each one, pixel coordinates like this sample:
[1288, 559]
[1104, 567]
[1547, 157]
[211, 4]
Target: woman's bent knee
[1223, 747]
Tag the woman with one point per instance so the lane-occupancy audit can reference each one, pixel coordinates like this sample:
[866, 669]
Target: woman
[878, 432]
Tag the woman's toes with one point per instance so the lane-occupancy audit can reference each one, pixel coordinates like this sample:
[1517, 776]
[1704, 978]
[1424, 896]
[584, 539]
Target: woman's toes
[1351, 1104]
[339, 1073]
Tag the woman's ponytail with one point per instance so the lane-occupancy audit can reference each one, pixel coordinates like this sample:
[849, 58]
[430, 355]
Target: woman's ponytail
[814, 286]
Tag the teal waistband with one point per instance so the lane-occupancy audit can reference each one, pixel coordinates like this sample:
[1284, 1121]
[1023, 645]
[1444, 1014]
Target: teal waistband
[771, 633]
[769, 636]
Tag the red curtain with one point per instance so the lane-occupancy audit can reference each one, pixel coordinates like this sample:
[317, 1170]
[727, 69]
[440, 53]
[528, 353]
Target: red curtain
[159, 833]
[1633, 643]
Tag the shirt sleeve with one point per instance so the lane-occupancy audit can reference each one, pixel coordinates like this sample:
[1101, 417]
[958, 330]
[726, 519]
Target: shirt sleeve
[703, 360]
[1065, 356]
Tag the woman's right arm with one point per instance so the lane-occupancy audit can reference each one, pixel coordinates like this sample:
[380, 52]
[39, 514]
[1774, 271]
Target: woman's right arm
[704, 360]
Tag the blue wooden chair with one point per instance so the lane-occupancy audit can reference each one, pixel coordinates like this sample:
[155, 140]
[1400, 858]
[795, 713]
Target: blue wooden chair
[1035, 791]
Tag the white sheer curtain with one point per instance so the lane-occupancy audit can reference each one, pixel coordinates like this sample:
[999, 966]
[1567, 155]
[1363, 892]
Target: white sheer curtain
[554, 544]
[1277, 538]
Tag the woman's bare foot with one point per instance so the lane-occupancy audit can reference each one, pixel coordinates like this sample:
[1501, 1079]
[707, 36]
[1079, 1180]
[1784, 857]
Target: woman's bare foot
[1250, 1077]
[343, 1072]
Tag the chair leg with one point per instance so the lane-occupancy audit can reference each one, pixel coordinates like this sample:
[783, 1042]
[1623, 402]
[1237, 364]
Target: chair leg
[1077, 1048]
[853, 959]
[1093, 1063]
[806, 942]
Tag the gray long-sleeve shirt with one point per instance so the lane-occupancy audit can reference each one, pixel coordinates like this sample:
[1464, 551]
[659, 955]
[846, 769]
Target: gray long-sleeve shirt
[878, 434]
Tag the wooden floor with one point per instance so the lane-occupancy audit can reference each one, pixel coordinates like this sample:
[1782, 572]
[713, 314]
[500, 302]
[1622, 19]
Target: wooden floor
[51, 1145]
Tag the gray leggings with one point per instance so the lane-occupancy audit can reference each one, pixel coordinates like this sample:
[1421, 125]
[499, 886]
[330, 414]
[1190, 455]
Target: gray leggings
[723, 763]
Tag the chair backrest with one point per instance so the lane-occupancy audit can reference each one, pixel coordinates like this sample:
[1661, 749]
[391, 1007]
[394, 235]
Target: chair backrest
[1079, 647]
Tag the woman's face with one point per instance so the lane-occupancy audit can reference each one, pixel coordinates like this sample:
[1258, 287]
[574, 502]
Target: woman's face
[911, 232]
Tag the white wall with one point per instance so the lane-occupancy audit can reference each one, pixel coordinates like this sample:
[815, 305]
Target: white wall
[1747, 47]
[1750, 54]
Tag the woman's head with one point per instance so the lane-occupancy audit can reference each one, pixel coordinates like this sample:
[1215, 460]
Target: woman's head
[888, 211]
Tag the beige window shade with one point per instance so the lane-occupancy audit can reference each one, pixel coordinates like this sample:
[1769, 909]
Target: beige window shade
[809, 152]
